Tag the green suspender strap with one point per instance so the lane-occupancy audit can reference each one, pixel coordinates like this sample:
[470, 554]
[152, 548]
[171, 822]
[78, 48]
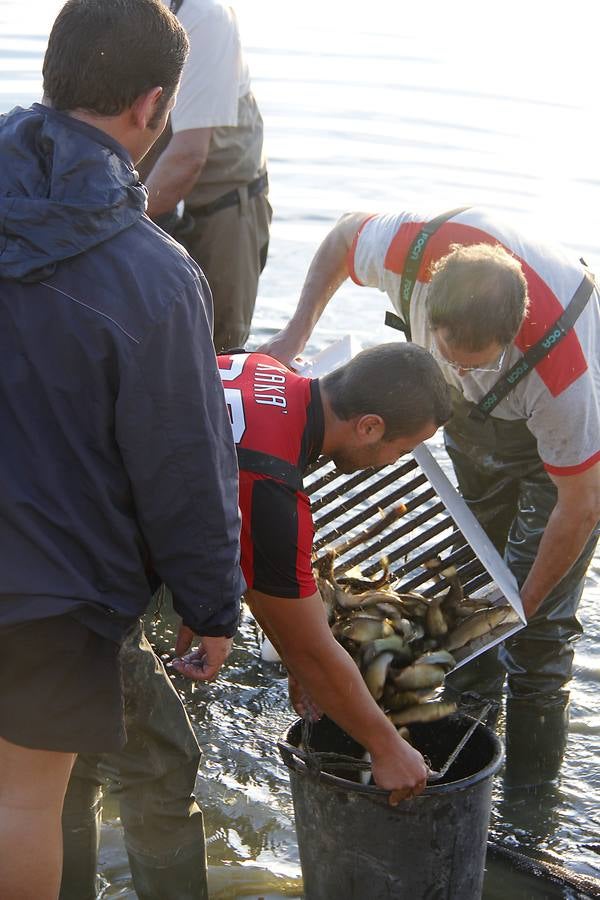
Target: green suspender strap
[411, 270]
[529, 360]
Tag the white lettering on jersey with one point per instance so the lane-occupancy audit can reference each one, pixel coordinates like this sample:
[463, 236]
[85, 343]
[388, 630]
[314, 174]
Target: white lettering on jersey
[236, 364]
[269, 386]
[233, 396]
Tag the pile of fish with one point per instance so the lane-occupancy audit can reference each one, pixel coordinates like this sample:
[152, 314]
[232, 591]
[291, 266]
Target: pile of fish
[405, 643]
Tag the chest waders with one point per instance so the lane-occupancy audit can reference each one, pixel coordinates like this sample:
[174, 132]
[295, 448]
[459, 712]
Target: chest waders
[503, 481]
[154, 777]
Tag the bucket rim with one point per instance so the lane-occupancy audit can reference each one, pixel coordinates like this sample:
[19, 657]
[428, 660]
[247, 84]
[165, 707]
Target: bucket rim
[292, 761]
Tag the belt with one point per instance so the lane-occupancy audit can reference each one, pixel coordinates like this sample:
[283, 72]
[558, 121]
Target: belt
[232, 198]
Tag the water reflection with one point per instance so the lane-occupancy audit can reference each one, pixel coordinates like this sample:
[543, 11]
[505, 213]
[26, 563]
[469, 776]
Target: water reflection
[379, 115]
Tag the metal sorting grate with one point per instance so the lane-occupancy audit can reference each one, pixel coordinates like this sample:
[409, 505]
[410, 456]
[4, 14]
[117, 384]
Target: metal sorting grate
[348, 508]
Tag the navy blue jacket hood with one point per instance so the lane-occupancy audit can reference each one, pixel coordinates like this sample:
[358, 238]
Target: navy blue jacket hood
[65, 187]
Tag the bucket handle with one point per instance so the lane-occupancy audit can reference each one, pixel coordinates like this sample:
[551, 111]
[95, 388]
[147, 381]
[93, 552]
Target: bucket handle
[435, 776]
[312, 762]
[333, 760]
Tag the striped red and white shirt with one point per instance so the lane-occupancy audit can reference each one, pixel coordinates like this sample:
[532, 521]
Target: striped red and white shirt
[560, 399]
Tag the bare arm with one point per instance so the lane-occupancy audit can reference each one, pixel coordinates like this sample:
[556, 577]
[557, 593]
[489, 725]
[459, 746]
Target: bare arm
[177, 170]
[327, 271]
[299, 698]
[300, 631]
[576, 513]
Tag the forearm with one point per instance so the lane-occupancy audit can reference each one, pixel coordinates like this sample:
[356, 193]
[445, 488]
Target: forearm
[563, 541]
[177, 170]
[333, 681]
[335, 684]
[327, 271]
[170, 181]
[262, 621]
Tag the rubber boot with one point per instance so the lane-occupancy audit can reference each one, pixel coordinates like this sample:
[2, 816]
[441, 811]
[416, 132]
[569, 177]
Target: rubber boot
[81, 818]
[175, 879]
[531, 813]
[536, 737]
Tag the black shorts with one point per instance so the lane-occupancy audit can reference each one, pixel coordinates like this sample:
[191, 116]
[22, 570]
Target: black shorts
[60, 687]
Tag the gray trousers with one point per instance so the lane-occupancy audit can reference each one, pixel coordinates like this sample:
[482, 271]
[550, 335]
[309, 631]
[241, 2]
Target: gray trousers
[503, 481]
[153, 777]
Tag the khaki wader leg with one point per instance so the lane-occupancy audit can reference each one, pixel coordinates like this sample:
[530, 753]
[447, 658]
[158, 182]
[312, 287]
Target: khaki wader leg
[230, 246]
[154, 777]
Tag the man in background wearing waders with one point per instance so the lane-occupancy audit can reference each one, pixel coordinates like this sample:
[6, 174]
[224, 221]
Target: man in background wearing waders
[211, 158]
[515, 325]
[283, 422]
[116, 460]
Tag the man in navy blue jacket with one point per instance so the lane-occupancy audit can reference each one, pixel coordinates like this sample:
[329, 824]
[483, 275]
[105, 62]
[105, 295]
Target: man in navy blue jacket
[117, 459]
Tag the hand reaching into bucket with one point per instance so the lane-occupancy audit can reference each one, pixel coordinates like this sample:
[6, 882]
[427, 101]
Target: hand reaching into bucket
[400, 769]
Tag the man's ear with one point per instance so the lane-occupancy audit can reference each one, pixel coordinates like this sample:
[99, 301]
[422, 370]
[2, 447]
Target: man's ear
[369, 428]
[144, 107]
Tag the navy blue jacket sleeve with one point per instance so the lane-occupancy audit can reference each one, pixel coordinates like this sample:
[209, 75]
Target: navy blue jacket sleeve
[174, 433]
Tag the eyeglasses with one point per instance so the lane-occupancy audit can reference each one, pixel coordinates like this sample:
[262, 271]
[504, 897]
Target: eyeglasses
[492, 367]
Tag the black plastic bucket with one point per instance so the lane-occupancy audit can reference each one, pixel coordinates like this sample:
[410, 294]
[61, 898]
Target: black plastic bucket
[354, 846]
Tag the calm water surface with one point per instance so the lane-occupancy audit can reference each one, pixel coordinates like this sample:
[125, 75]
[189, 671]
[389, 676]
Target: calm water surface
[382, 106]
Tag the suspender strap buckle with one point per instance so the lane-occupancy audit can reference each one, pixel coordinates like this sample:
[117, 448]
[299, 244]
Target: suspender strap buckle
[394, 321]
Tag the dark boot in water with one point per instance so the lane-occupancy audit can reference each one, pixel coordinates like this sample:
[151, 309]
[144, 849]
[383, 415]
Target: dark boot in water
[536, 737]
[175, 879]
[82, 814]
[532, 813]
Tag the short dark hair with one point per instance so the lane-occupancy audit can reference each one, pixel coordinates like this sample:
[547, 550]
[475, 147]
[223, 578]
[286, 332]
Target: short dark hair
[400, 382]
[104, 54]
[479, 294]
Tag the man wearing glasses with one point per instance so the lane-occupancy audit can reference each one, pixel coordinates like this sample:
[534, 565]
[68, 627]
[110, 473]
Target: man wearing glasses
[515, 326]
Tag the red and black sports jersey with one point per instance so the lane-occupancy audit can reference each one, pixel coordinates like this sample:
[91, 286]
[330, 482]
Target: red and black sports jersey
[277, 421]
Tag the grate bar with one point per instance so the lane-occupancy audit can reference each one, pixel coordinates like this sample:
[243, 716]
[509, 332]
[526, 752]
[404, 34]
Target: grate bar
[472, 567]
[320, 463]
[353, 480]
[340, 490]
[350, 501]
[460, 557]
[415, 542]
[431, 551]
[379, 505]
[478, 582]
[381, 547]
[351, 511]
